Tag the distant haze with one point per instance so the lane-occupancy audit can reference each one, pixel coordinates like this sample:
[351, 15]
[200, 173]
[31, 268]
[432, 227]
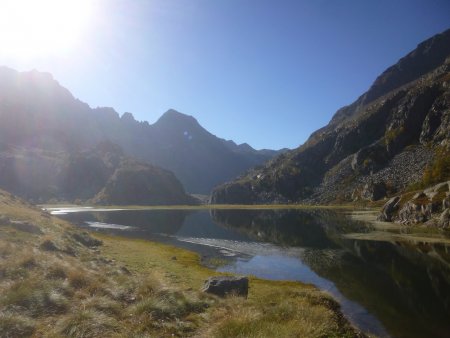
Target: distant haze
[263, 72]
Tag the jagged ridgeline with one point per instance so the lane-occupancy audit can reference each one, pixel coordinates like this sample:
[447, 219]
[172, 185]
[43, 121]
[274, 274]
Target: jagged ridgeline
[395, 135]
[55, 147]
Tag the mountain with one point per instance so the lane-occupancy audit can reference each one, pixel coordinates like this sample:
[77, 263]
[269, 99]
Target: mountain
[377, 146]
[36, 112]
[101, 175]
[200, 159]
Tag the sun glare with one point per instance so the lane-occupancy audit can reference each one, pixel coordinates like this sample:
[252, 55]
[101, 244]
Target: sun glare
[31, 28]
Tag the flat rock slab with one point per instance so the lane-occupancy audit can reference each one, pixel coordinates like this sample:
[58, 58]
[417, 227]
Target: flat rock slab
[226, 285]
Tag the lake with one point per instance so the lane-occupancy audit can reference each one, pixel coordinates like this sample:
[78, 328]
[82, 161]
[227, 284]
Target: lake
[386, 284]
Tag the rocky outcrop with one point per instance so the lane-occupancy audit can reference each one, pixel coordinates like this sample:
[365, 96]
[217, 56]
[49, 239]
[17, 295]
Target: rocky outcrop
[137, 183]
[226, 286]
[389, 209]
[414, 212]
[446, 202]
[371, 191]
[429, 206]
[382, 141]
[444, 219]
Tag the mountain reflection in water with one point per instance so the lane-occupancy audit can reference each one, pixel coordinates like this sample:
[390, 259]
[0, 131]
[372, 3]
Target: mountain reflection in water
[399, 289]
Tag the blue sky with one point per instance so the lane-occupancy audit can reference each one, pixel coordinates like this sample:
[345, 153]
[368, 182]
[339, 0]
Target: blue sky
[263, 72]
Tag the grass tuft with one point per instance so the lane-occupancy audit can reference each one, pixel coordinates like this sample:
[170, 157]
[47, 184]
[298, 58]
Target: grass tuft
[38, 298]
[56, 272]
[88, 323]
[15, 325]
[167, 305]
[78, 279]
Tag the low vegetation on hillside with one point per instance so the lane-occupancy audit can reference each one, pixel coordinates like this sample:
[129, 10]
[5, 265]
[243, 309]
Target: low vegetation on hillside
[437, 171]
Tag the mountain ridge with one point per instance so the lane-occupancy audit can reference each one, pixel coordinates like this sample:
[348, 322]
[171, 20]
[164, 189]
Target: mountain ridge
[361, 143]
[37, 112]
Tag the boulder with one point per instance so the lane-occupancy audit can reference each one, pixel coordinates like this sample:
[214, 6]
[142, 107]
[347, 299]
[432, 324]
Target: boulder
[4, 220]
[419, 195]
[413, 213]
[86, 239]
[226, 285]
[440, 187]
[446, 202]
[388, 209]
[444, 219]
[431, 194]
[373, 191]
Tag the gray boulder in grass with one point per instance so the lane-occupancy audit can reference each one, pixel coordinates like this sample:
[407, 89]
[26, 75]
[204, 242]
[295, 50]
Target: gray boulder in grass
[226, 285]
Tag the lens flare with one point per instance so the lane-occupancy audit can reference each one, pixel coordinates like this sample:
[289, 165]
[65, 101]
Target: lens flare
[30, 28]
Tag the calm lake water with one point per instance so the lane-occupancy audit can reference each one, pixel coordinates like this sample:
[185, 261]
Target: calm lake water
[388, 288]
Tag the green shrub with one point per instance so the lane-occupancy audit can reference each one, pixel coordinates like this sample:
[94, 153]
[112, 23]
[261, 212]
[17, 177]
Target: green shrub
[437, 171]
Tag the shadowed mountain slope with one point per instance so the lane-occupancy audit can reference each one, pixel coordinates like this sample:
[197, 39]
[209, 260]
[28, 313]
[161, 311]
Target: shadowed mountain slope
[36, 112]
[102, 175]
[376, 146]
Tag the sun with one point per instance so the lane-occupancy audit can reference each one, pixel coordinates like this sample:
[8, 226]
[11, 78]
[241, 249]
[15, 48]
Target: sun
[30, 28]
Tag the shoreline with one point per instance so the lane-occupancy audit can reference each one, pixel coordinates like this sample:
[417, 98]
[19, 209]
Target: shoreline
[80, 208]
[121, 286]
[390, 231]
[142, 255]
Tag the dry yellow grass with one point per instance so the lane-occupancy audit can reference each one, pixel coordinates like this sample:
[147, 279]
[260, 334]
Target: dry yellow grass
[53, 284]
[273, 308]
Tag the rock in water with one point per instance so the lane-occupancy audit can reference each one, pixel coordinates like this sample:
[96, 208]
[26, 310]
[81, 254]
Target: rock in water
[226, 285]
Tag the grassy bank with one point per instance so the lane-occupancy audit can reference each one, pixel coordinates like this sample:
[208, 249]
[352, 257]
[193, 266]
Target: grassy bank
[56, 281]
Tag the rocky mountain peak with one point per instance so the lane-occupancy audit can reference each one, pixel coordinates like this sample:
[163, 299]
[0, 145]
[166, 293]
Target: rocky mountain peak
[175, 118]
[128, 117]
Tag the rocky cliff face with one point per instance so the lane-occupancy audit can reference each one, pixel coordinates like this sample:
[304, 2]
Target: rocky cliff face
[377, 146]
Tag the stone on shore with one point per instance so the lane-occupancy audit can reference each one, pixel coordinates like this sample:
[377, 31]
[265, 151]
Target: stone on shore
[226, 285]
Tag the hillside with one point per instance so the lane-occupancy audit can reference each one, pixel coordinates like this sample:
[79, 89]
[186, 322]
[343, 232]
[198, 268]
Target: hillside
[36, 112]
[103, 174]
[377, 146]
